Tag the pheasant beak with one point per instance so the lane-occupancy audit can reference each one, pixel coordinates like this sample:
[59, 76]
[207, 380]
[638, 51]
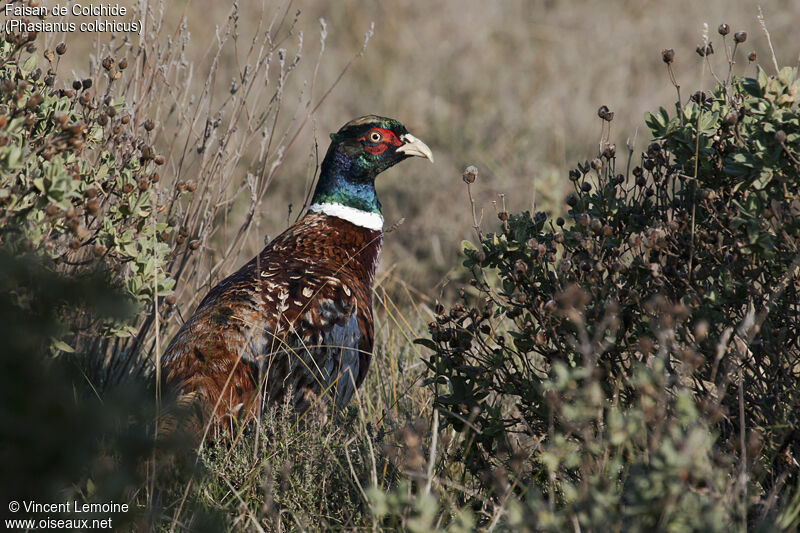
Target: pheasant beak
[413, 146]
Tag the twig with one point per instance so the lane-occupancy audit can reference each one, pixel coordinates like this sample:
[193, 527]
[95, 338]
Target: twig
[769, 40]
[432, 459]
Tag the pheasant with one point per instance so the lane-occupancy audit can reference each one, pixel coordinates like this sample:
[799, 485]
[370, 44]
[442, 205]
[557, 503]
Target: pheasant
[295, 323]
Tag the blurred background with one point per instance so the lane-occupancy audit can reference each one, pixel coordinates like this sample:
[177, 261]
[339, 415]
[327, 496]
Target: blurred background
[511, 87]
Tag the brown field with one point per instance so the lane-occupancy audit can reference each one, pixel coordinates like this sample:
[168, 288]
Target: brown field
[511, 87]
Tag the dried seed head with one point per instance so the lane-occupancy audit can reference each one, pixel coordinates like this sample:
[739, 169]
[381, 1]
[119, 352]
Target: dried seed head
[61, 49]
[597, 164]
[470, 174]
[87, 83]
[705, 50]
[668, 55]
[586, 186]
[194, 244]
[93, 206]
[149, 125]
[605, 113]
[77, 85]
[503, 215]
[700, 97]
[752, 57]
[724, 29]
[740, 36]
[123, 63]
[572, 200]
[731, 118]
[159, 160]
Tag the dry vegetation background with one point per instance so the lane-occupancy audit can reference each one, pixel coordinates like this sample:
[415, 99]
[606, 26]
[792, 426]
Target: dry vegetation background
[512, 87]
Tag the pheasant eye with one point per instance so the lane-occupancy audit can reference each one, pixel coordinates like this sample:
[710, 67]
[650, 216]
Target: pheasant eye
[375, 137]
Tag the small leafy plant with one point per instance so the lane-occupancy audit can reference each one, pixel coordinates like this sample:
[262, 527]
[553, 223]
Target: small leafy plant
[636, 363]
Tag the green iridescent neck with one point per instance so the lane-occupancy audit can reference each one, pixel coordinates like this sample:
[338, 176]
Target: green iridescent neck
[347, 182]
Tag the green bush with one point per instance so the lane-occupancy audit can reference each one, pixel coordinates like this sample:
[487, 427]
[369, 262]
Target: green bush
[636, 366]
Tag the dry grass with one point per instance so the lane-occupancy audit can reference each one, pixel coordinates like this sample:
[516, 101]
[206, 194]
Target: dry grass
[511, 87]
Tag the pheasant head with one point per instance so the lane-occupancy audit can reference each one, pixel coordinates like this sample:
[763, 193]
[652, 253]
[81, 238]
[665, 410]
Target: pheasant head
[359, 151]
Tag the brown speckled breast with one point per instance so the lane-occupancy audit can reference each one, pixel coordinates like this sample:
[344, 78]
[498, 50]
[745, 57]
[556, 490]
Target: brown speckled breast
[295, 320]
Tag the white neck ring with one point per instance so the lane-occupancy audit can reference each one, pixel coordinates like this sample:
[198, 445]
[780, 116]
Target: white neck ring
[364, 219]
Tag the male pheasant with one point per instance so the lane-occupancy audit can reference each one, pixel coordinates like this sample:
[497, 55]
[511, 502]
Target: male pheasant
[297, 319]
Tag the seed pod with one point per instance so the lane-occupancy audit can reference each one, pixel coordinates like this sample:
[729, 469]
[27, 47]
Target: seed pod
[77, 85]
[93, 206]
[583, 220]
[470, 174]
[560, 222]
[723, 29]
[159, 160]
[108, 63]
[503, 215]
[143, 184]
[740, 36]
[87, 83]
[668, 55]
[191, 186]
[123, 63]
[752, 57]
[597, 164]
[61, 49]
[149, 125]
[572, 200]
[194, 244]
[705, 50]
[170, 300]
[731, 118]
[586, 186]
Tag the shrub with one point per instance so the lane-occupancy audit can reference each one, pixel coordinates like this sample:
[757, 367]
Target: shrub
[636, 365]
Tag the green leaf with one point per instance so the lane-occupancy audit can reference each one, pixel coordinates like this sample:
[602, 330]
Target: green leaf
[63, 346]
[29, 64]
[427, 343]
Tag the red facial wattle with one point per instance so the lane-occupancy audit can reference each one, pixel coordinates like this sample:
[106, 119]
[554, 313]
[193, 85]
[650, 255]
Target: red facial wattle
[387, 138]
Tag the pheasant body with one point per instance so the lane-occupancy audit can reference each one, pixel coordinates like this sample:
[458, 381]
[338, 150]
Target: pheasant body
[295, 322]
